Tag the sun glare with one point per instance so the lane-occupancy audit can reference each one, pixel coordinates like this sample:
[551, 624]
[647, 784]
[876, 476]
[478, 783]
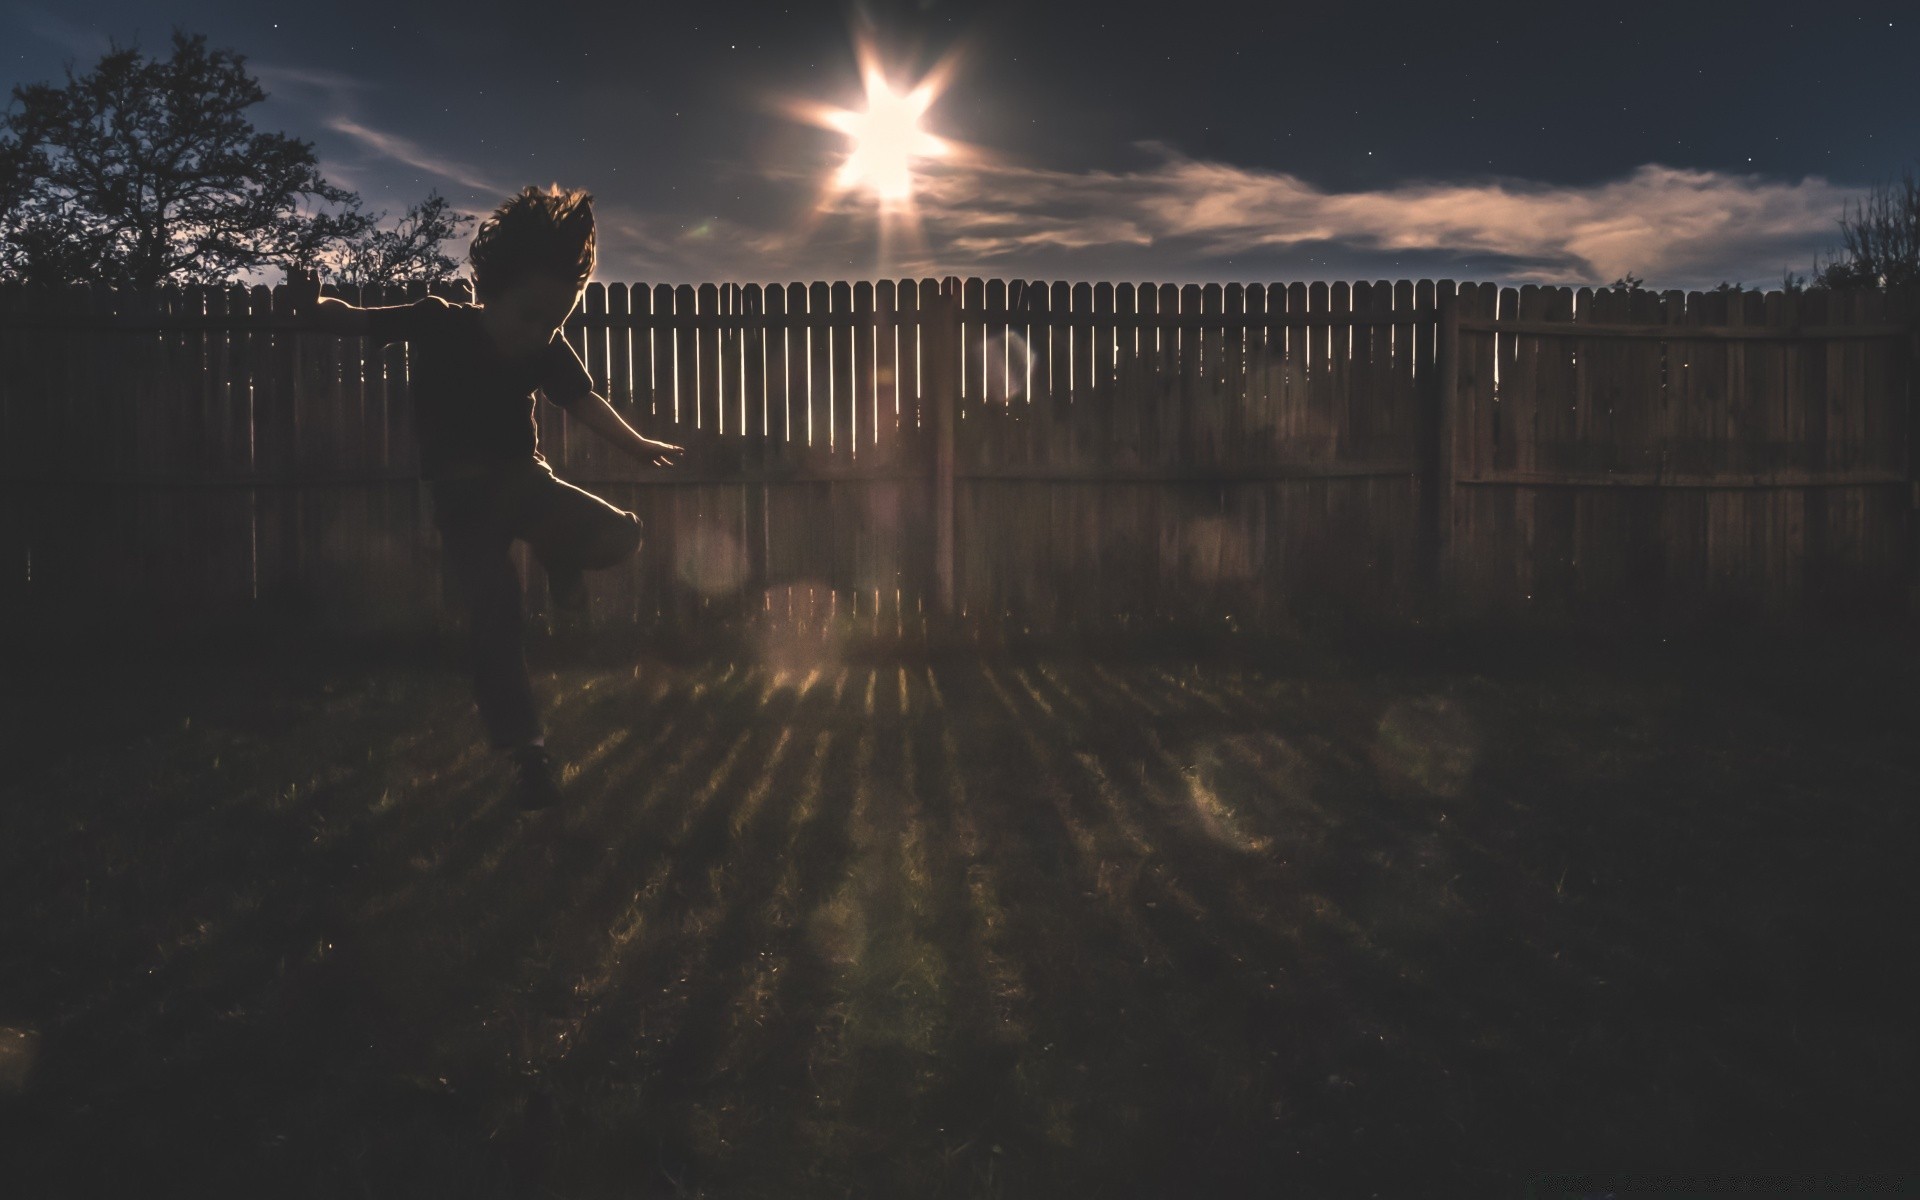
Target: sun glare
[887, 138]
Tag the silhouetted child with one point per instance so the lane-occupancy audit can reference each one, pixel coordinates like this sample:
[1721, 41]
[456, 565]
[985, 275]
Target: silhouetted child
[474, 370]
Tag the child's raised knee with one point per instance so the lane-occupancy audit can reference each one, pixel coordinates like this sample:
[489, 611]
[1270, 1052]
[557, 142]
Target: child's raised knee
[620, 540]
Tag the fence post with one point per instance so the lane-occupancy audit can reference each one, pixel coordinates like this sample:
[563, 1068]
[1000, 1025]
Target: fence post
[1908, 314]
[1437, 527]
[944, 374]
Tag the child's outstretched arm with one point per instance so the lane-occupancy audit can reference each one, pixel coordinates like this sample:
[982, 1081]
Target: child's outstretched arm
[600, 417]
[324, 314]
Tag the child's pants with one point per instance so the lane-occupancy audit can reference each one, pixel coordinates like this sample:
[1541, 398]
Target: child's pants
[569, 531]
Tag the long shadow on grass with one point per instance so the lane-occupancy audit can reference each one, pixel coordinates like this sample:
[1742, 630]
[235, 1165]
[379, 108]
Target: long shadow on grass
[1486, 999]
[430, 994]
[1108, 925]
[719, 914]
[313, 988]
[1309, 1032]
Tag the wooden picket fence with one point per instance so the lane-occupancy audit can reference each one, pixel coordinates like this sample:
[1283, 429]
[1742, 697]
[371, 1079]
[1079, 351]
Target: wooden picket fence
[1641, 454]
[1017, 455]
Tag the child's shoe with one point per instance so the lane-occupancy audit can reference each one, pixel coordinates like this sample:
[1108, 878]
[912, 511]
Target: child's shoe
[537, 787]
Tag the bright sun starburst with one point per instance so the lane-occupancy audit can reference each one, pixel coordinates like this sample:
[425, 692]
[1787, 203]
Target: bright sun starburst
[887, 139]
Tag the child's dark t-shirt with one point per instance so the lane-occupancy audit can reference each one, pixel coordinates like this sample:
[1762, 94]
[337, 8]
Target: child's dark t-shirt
[472, 406]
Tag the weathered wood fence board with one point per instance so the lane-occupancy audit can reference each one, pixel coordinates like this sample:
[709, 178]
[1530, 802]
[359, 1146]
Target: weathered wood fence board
[1737, 453]
[1033, 454]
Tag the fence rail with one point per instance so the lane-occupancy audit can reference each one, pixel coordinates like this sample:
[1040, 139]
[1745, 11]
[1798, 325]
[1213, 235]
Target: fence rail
[1045, 454]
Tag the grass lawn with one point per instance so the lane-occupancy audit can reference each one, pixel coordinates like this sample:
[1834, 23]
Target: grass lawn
[1416, 915]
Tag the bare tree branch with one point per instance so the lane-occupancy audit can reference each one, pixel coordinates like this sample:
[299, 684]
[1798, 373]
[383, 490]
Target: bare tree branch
[1880, 237]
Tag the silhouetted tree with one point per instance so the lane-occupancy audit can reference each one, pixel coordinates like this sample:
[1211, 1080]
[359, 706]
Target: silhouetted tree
[143, 171]
[408, 253]
[1880, 237]
[17, 164]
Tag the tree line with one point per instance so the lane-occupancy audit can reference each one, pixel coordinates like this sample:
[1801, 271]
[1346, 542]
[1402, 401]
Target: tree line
[145, 171]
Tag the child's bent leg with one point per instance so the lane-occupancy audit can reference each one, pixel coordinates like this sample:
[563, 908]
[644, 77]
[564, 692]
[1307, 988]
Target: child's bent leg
[480, 560]
[573, 531]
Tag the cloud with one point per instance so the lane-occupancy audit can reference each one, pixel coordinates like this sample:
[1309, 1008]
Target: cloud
[1182, 219]
[335, 97]
[1667, 224]
[82, 40]
[410, 152]
[634, 245]
[1659, 221]
[339, 87]
[339, 174]
[631, 242]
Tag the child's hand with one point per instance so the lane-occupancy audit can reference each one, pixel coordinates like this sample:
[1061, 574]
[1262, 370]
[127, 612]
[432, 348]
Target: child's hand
[660, 454]
[303, 292]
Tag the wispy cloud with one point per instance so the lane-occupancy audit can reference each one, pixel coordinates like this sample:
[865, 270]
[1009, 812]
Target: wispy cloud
[1658, 221]
[410, 152]
[337, 86]
[82, 40]
[335, 99]
[633, 243]
[1185, 219]
[1668, 224]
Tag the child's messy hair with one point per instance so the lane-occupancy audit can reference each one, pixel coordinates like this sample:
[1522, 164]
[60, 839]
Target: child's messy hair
[535, 233]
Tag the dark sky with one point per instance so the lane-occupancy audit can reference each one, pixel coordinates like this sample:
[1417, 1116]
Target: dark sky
[1686, 142]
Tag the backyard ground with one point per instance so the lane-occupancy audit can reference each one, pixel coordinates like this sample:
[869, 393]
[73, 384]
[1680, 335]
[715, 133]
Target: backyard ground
[1395, 915]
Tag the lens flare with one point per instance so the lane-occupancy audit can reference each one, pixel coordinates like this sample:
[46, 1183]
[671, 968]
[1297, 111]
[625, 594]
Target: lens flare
[886, 137]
